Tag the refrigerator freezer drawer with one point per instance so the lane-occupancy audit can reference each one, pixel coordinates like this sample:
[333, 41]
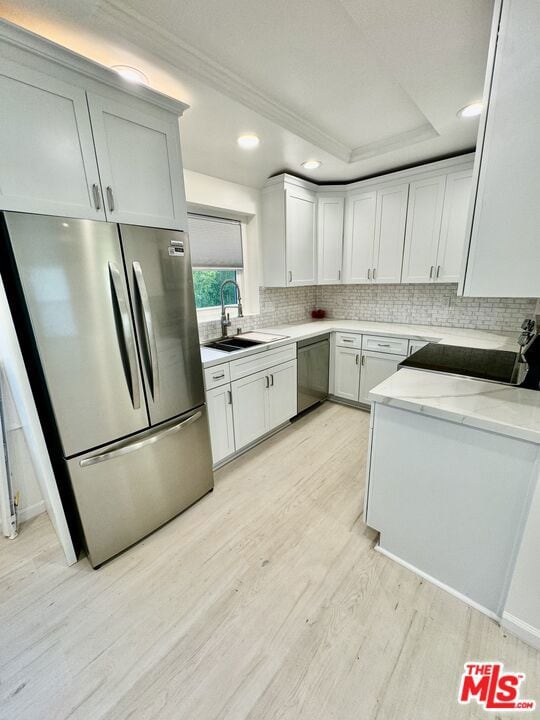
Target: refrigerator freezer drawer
[130, 488]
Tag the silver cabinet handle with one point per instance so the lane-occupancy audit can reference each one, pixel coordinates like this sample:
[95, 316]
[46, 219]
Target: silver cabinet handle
[267, 385]
[383, 345]
[431, 272]
[347, 340]
[123, 448]
[339, 274]
[128, 340]
[369, 274]
[148, 325]
[357, 358]
[229, 397]
[96, 193]
[438, 270]
[363, 360]
[110, 198]
[271, 381]
[290, 275]
[218, 377]
[374, 271]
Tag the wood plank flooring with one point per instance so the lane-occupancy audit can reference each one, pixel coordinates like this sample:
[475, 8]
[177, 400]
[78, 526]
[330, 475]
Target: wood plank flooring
[266, 601]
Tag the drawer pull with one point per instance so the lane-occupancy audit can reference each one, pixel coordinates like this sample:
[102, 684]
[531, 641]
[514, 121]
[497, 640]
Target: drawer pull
[218, 377]
[384, 345]
[347, 339]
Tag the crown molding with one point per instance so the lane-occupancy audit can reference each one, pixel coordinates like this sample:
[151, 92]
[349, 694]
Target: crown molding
[48, 50]
[140, 29]
[165, 45]
[394, 142]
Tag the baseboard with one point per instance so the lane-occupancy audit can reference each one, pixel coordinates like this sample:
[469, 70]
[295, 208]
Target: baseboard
[27, 513]
[350, 403]
[246, 448]
[439, 584]
[522, 630]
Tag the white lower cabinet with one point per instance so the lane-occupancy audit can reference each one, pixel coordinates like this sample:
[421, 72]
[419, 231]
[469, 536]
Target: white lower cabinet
[357, 371]
[347, 373]
[263, 401]
[282, 394]
[374, 368]
[220, 419]
[250, 408]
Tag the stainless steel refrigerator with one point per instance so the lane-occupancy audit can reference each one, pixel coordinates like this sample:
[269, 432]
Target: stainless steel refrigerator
[111, 314]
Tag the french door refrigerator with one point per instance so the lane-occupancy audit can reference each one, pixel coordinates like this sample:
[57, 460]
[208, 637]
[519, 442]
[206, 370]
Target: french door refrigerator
[111, 323]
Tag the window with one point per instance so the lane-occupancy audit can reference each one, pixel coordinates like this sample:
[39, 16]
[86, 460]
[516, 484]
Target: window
[216, 255]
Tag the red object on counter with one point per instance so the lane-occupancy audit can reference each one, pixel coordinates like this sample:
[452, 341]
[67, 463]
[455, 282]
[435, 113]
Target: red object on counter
[318, 314]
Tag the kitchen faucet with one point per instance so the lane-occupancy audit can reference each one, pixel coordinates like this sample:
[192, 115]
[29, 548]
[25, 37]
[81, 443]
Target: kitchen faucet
[225, 320]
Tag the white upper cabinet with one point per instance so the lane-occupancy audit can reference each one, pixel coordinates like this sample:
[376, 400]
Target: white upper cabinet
[389, 233]
[359, 237]
[139, 163]
[424, 218]
[289, 243]
[504, 255]
[374, 235]
[457, 201]
[330, 239]
[300, 237]
[48, 164]
[77, 141]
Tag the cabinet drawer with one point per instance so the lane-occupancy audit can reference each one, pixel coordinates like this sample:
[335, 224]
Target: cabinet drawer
[397, 346]
[216, 376]
[351, 340]
[261, 361]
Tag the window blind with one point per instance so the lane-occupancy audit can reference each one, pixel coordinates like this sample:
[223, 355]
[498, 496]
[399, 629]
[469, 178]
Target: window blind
[215, 242]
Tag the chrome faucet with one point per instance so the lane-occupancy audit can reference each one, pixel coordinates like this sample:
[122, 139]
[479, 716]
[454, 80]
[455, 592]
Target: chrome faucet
[225, 319]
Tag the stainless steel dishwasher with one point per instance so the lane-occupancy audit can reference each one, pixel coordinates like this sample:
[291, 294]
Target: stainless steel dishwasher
[313, 360]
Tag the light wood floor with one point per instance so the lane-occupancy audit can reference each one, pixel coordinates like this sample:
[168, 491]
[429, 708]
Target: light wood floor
[265, 600]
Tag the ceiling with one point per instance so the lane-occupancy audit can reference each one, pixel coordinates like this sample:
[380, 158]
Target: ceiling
[365, 86]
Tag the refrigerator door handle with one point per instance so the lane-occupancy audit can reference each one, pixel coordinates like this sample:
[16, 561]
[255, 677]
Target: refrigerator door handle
[148, 329]
[125, 448]
[127, 335]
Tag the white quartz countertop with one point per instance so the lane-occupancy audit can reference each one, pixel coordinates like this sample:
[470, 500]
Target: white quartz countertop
[490, 406]
[431, 333]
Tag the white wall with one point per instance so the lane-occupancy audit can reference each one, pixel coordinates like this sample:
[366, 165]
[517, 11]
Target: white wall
[522, 610]
[210, 194]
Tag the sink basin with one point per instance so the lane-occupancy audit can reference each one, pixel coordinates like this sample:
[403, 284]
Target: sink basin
[243, 341]
[232, 344]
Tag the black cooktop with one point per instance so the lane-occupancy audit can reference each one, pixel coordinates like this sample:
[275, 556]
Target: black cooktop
[494, 365]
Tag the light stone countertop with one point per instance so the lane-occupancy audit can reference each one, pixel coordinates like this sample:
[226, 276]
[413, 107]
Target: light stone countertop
[431, 333]
[502, 409]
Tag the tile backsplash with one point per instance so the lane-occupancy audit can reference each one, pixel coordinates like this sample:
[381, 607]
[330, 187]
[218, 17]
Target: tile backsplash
[417, 304]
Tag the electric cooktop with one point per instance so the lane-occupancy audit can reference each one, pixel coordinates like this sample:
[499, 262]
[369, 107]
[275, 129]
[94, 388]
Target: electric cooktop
[494, 365]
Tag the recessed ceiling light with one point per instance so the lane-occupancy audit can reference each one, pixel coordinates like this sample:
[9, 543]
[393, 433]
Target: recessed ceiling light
[469, 111]
[311, 164]
[131, 74]
[248, 141]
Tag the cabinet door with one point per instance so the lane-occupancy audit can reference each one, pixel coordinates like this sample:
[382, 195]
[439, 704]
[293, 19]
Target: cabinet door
[504, 256]
[330, 239]
[347, 373]
[250, 408]
[424, 215]
[457, 198]
[282, 393]
[220, 420]
[48, 164]
[375, 368]
[359, 237]
[390, 233]
[300, 237]
[139, 164]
